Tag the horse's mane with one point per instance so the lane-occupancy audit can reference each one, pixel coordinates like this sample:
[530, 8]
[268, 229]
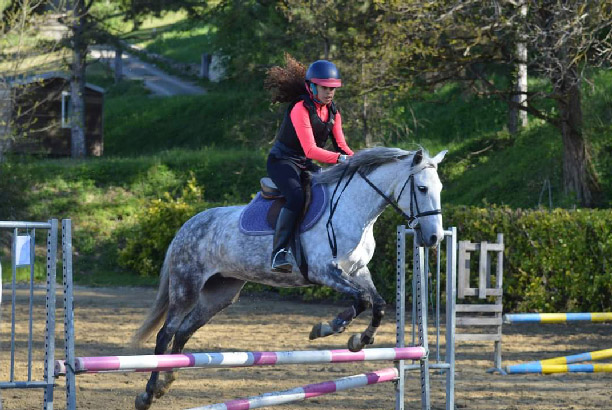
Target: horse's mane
[366, 160]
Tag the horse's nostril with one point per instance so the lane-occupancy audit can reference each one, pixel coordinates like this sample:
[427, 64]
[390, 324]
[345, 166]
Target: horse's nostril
[433, 239]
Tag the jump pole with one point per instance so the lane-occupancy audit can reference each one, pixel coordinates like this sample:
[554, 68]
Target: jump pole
[561, 368]
[562, 360]
[148, 363]
[306, 392]
[557, 317]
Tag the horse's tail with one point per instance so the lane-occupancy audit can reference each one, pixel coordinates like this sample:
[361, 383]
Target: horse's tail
[157, 313]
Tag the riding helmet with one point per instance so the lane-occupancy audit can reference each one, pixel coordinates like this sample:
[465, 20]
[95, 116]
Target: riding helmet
[324, 73]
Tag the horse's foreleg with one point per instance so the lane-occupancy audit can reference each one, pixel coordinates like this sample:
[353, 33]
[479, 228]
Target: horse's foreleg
[342, 283]
[339, 323]
[358, 342]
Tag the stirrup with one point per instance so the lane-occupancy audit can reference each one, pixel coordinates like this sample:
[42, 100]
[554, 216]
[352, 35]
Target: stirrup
[285, 266]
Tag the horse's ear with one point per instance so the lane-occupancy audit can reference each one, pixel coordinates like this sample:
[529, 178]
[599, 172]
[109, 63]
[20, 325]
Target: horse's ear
[438, 158]
[417, 158]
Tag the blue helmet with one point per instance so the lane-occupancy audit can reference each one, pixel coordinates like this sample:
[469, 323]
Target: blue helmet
[324, 73]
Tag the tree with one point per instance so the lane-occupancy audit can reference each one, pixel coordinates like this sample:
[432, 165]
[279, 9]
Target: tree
[347, 33]
[20, 39]
[78, 43]
[454, 40]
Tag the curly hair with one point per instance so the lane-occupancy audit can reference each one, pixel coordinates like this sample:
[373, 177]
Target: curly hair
[286, 83]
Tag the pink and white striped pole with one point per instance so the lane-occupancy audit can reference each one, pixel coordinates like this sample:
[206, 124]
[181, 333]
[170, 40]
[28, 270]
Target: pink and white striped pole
[306, 392]
[147, 363]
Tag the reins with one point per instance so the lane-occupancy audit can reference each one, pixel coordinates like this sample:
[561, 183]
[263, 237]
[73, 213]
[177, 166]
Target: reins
[414, 204]
[331, 238]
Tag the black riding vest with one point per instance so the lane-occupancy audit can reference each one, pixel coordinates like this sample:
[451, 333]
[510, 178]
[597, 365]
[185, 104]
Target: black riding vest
[321, 130]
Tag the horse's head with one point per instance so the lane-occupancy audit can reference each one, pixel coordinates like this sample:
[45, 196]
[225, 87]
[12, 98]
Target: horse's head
[418, 197]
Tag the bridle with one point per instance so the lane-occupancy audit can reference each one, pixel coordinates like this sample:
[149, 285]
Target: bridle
[412, 218]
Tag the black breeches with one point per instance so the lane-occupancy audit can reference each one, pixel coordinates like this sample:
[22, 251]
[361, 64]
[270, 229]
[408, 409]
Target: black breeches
[287, 179]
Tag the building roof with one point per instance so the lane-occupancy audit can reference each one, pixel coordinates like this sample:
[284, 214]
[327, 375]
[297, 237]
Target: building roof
[49, 76]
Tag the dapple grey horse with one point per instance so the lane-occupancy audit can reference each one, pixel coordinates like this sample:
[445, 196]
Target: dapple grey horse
[209, 260]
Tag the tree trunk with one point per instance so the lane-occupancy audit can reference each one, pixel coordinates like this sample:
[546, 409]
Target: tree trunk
[118, 64]
[77, 84]
[578, 171]
[517, 117]
[367, 136]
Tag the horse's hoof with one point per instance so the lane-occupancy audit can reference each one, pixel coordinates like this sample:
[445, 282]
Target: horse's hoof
[354, 343]
[320, 330]
[143, 401]
[163, 386]
[367, 340]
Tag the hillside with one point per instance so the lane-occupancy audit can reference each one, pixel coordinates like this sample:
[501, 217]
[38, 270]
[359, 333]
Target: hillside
[155, 148]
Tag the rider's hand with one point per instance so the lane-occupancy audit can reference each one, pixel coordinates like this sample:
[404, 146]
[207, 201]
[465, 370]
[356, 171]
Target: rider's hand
[342, 158]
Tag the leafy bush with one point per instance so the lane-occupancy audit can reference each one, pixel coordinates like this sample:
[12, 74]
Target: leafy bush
[146, 242]
[554, 261]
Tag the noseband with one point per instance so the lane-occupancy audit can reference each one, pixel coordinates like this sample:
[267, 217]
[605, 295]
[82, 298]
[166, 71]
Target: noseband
[413, 217]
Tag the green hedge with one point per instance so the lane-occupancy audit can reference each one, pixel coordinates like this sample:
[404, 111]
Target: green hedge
[554, 261]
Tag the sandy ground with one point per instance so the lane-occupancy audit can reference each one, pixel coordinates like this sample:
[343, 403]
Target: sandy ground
[106, 318]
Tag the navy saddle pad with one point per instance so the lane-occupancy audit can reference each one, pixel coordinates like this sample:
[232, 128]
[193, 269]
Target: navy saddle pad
[253, 220]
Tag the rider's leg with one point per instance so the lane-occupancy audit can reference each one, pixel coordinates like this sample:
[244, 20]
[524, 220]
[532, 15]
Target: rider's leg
[287, 179]
[283, 234]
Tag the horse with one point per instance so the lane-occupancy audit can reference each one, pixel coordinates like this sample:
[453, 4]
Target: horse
[209, 260]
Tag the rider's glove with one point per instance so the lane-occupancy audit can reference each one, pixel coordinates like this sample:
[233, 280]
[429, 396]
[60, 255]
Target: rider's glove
[342, 158]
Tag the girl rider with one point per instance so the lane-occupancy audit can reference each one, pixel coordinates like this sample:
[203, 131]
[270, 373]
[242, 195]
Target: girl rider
[310, 120]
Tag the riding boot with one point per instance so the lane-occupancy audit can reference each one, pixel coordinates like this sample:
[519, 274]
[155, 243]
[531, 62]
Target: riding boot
[283, 234]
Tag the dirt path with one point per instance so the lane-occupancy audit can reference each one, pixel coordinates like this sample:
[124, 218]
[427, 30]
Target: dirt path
[106, 318]
[155, 79]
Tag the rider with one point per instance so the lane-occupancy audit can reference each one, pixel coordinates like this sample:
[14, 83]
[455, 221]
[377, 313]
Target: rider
[309, 122]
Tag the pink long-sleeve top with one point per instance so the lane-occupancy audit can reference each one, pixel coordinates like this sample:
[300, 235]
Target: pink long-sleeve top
[300, 119]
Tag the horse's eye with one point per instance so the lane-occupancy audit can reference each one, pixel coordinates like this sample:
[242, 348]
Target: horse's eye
[422, 189]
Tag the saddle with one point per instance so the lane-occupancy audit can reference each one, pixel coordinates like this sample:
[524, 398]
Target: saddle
[260, 215]
[270, 191]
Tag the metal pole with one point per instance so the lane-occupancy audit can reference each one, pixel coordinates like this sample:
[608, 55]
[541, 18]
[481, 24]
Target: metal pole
[25, 225]
[421, 297]
[451, 297]
[50, 310]
[32, 257]
[438, 249]
[14, 301]
[68, 314]
[400, 314]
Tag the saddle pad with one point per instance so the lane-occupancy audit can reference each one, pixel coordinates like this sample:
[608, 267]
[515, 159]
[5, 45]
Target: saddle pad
[253, 219]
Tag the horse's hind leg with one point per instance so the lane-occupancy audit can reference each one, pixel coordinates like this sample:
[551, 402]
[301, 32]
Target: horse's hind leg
[164, 336]
[217, 294]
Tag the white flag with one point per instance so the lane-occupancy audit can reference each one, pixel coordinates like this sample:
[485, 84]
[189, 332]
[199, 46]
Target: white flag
[23, 250]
